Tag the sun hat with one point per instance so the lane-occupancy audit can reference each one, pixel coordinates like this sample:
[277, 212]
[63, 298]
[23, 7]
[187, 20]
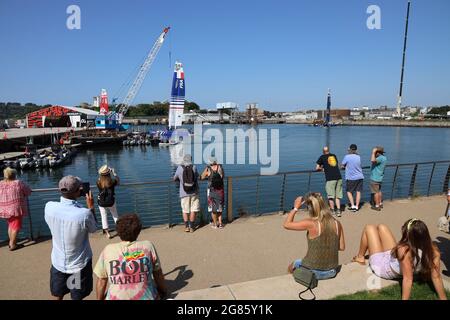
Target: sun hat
[212, 160]
[104, 170]
[187, 160]
[69, 184]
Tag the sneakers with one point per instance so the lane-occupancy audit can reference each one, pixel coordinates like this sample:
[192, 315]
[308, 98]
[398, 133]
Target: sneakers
[213, 226]
[191, 230]
[354, 209]
[375, 208]
[220, 226]
[186, 229]
[338, 213]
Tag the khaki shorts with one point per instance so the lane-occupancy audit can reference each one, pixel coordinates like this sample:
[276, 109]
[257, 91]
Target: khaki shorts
[334, 189]
[375, 187]
[190, 204]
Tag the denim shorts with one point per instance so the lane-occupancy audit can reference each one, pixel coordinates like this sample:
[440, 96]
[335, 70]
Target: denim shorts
[320, 274]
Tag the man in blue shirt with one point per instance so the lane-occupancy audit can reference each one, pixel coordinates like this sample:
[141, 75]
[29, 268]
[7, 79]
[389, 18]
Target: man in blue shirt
[187, 175]
[70, 225]
[376, 176]
[353, 176]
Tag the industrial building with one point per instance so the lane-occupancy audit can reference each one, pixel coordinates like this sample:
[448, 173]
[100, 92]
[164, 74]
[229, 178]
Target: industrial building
[61, 116]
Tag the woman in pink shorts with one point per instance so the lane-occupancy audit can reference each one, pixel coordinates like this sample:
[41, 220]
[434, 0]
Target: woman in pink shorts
[414, 253]
[13, 204]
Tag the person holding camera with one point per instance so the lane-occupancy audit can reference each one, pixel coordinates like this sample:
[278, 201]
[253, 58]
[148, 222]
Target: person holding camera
[215, 192]
[325, 237]
[70, 225]
[106, 183]
[378, 160]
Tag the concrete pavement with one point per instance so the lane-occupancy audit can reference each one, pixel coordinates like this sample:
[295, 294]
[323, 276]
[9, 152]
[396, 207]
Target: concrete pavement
[245, 260]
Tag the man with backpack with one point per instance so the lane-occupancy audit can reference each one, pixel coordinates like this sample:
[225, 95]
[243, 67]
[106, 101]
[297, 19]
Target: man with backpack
[215, 192]
[187, 175]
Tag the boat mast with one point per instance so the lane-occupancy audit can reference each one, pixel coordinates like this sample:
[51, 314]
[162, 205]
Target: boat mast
[399, 101]
[328, 112]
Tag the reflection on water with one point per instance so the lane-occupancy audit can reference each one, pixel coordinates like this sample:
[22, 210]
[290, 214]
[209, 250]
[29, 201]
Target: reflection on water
[300, 146]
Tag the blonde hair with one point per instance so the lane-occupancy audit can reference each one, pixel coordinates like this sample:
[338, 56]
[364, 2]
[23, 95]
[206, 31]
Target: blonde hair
[318, 208]
[9, 174]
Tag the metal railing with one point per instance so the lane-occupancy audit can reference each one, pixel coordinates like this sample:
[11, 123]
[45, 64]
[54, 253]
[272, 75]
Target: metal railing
[157, 202]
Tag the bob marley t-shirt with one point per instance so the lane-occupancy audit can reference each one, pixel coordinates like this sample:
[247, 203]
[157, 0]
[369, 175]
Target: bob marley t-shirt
[330, 165]
[129, 268]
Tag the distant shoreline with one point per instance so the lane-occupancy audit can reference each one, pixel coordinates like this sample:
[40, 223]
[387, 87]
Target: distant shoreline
[387, 123]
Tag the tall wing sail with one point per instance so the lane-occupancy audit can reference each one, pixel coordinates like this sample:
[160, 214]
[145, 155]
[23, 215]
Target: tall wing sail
[104, 109]
[176, 108]
[328, 112]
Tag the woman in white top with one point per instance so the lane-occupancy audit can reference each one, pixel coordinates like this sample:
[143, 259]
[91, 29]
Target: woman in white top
[414, 253]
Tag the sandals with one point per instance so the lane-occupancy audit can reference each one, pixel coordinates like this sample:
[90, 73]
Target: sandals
[355, 259]
[16, 247]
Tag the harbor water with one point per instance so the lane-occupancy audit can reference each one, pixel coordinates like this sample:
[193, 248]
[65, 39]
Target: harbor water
[299, 148]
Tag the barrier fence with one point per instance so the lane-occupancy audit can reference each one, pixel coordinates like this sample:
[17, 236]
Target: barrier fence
[157, 202]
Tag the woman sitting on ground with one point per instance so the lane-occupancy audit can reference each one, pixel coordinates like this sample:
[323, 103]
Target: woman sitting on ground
[325, 237]
[415, 253]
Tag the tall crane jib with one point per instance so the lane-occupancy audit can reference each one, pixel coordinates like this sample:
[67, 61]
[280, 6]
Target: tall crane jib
[137, 83]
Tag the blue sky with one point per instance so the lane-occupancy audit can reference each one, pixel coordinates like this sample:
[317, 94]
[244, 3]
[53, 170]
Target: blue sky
[282, 54]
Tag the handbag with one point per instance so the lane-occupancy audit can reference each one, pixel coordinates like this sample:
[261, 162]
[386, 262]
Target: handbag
[307, 278]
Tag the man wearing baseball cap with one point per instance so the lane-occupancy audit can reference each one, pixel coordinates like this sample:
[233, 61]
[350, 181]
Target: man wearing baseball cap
[378, 160]
[70, 225]
[354, 176]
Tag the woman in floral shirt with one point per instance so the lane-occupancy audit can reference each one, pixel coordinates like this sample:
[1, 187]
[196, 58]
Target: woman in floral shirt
[13, 204]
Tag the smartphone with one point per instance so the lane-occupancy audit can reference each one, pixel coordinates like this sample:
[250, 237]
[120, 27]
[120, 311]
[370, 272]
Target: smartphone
[86, 187]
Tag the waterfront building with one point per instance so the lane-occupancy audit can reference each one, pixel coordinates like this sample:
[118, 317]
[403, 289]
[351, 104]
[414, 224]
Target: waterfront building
[61, 116]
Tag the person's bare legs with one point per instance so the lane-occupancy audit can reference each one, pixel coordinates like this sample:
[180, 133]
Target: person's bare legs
[370, 241]
[387, 238]
[219, 217]
[185, 218]
[350, 198]
[9, 235]
[358, 198]
[214, 218]
[13, 238]
[331, 203]
[338, 203]
[377, 199]
[192, 220]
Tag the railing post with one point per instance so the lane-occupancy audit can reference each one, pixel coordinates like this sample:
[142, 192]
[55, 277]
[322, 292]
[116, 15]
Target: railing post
[135, 202]
[257, 195]
[230, 199]
[30, 221]
[283, 185]
[431, 178]
[447, 176]
[169, 205]
[393, 183]
[412, 182]
[309, 181]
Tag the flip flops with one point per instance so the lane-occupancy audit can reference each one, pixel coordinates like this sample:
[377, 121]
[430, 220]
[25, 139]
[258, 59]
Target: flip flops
[355, 259]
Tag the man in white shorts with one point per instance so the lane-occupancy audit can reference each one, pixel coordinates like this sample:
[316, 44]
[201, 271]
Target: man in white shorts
[187, 175]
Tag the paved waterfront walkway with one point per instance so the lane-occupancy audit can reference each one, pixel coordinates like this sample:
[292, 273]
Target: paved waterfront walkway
[246, 260]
